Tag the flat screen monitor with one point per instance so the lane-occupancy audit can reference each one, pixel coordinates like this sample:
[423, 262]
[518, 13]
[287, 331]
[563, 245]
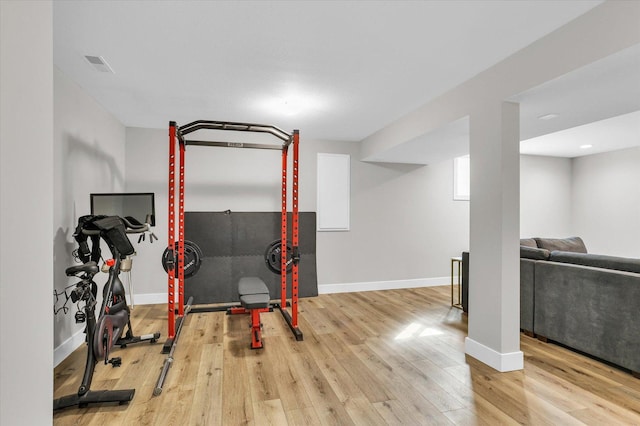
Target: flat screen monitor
[139, 205]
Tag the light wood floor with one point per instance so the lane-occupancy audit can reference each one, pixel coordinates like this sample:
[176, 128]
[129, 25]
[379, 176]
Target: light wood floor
[356, 365]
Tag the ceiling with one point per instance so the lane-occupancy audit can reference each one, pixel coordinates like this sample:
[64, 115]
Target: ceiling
[596, 109]
[336, 70]
[597, 105]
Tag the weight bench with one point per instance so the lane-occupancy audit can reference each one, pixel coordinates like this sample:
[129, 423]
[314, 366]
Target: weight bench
[254, 297]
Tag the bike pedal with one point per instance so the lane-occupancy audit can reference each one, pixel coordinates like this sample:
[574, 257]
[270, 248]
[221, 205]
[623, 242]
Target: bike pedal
[116, 361]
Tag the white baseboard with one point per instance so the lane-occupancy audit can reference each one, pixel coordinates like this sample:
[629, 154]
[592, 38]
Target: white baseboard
[502, 362]
[67, 347]
[382, 285]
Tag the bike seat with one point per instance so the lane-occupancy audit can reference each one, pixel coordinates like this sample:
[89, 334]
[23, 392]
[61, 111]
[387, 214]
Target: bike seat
[89, 267]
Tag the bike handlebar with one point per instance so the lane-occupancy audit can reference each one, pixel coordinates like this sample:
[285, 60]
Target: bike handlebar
[130, 227]
[134, 228]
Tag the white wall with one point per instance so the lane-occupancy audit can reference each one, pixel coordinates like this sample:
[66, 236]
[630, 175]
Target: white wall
[26, 200]
[595, 197]
[606, 202]
[405, 224]
[545, 197]
[146, 164]
[89, 157]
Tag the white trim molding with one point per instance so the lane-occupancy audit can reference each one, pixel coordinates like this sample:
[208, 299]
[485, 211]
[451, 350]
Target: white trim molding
[503, 362]
[68, 346]
[382, 285]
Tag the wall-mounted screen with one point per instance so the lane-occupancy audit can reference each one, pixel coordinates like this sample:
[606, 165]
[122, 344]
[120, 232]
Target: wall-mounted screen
[139, 205]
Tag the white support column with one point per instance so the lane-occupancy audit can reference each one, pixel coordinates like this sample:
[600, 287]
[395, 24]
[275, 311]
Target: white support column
[494, 268]
[26, 212]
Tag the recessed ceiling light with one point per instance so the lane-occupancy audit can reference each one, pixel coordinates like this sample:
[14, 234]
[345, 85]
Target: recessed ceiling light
[587, 146]
[99, 63]
[548, 116]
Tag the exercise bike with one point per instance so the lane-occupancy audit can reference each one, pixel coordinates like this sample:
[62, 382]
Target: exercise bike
[108, 329]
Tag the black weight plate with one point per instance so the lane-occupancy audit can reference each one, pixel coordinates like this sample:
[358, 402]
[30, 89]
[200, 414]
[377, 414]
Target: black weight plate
[192, 258]
[273, 257]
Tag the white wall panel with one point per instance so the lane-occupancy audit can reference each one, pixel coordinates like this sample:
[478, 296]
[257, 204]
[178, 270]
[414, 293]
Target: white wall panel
[334, 192]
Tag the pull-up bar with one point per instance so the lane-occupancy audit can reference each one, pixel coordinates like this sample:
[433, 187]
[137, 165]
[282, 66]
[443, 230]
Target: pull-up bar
[176, 200]
[233, 144]
[235, 126]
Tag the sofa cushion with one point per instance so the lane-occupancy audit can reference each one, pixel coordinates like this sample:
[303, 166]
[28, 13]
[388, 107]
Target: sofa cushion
[597, 261]
[534, 253]
[528, 242]
[573, 244]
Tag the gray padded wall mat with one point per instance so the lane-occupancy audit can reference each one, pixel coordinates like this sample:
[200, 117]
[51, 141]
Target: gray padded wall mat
[233, 246]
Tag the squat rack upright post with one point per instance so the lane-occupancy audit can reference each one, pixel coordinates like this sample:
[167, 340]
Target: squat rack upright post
[177, 134]
[292, 319]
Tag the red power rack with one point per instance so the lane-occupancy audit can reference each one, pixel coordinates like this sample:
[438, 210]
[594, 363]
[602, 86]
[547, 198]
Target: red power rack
[177, 310]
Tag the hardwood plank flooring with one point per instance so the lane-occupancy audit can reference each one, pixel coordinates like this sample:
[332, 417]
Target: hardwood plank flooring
[382, 357]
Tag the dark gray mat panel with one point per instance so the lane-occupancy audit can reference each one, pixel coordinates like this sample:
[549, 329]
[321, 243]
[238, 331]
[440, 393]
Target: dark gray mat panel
[307, 230]
[233, 246]
[211, 281]
[252, 232]
[212, 232]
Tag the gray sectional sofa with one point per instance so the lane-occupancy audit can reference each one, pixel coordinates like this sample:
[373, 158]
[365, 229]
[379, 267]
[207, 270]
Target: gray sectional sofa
[588, 302]
[585, 301]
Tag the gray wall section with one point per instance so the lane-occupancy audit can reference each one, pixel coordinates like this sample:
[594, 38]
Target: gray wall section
[606, 202]
[405, 224]
[596, 197]
[26, 211]
[147, 165]
[545, 196]
[89, 157]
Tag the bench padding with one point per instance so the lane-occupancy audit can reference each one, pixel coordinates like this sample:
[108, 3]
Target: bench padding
[255, 301]
[253, 292]
[252, 285]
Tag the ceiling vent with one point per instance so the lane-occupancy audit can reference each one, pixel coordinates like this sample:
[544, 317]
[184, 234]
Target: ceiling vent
[99, 63]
